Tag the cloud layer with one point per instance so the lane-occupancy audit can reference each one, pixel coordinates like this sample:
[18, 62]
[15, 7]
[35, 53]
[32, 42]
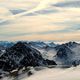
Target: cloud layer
[57, 20]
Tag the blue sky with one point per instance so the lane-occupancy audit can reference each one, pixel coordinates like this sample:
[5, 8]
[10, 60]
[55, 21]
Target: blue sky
[57, 20]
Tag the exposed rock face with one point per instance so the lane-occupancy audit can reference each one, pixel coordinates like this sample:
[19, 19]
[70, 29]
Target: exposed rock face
[22, 55]
[15, 57]
[71, 44]
[67, 54]
[64, 55]
[64, 52]
[50, 62]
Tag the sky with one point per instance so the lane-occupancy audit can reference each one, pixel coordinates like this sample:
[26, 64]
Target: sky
[55, 20]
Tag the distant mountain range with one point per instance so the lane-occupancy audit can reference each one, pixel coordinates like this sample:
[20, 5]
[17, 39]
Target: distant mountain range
[22, 54]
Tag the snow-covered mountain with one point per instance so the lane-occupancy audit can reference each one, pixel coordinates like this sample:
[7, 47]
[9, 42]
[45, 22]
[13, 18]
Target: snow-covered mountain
[45, 48]
[63, 54]
[41, 44]
[37, 44]
[68, 54]
[23, 54]
[5, 44]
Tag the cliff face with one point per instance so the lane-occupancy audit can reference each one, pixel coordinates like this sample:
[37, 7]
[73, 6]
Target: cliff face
[22, 55]
[68, 54]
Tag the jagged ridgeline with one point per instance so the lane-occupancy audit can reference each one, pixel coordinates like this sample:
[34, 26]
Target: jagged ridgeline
[21, 55]
[24, 54]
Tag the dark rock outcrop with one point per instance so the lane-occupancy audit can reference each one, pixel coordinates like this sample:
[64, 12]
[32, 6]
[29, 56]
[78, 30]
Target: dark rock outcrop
[50, 62]
[64, 55]
[22, 55]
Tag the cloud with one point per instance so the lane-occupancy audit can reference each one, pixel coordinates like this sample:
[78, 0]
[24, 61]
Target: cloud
[4, 12]
[42, 5]
[4, 22]
[46, 11]
[17, 11]
[68, 4]
[39, 20]
[71, 36]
